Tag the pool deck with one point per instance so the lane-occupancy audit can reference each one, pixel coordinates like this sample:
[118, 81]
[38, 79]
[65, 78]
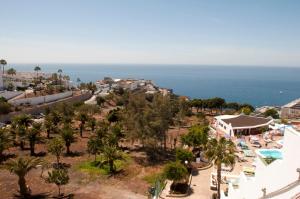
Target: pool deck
[200, 183]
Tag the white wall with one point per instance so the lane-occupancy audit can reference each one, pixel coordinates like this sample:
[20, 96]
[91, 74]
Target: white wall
[276, 175]
[224, 127]
[42, 99]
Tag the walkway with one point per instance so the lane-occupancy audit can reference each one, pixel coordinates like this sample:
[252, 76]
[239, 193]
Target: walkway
[200, 186]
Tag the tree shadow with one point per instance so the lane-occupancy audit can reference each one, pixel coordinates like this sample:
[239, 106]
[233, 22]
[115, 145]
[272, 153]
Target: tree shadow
[7, 156]
[74, 154]
[195, 172]
[40, 154]
[154, 156]
[69, 196]
[61, 166]
[118, 174]
[33, 196]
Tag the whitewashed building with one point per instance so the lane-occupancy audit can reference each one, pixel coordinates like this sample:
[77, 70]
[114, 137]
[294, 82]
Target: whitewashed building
[277, 180]
[244, 124]
[291, 110]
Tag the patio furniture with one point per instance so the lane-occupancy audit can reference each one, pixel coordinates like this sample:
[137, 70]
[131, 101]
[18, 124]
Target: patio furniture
[256, 144]
[249, 153]
[249, 170]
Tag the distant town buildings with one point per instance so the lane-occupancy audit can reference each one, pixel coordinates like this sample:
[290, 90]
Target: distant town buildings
[109, 84]
[291, 110]
[22, 79]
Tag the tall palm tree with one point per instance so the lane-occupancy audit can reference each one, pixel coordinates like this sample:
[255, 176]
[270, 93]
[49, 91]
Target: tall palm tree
[60, 74]
[93, 146]
[82, 117]
[37, 69]
[49, 125]
[3, 63]
[21, 166]
[11, 71]
[78, 80]
[21, 123]
[34, 135]
[220, 152]
[67, 136]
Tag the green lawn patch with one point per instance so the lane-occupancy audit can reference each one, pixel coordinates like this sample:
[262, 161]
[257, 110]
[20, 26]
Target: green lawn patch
[94, 168]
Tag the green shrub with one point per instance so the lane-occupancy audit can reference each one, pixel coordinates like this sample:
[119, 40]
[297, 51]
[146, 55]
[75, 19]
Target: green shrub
[175, 171]
[183, 155]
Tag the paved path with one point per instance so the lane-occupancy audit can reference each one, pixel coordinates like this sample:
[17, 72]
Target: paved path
[200, 186]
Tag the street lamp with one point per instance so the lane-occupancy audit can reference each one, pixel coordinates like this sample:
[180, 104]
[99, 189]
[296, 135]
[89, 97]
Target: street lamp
[298, 170]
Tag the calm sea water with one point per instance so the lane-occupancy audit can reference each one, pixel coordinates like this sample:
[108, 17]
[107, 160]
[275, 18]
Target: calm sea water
[256, 85]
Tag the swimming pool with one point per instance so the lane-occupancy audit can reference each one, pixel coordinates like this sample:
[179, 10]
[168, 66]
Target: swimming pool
[274, 153]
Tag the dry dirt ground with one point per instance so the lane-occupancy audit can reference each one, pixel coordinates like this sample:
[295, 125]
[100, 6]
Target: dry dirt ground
[128, 184]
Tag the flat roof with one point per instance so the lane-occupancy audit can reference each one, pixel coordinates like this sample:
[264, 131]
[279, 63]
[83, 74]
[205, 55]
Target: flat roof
[247, 121]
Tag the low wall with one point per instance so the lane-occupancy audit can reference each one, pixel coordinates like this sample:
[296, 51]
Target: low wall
[10, 94]
[41, 99]
[41, 108]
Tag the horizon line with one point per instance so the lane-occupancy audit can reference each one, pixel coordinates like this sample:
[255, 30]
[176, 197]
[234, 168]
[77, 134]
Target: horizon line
[157, 64]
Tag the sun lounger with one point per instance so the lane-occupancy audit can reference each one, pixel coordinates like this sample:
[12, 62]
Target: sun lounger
[253, 139]
[249, 153]
[256, 144]
[249, 170]
[226, 168]
[267, 140]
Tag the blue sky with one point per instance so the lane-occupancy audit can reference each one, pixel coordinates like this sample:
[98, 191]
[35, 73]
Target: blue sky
[224, 32]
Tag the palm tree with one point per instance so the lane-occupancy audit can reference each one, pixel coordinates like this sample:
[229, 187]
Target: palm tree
[220, 152]
[111, 154]
[33, 136]
[37, 69]
[11, 71]
[21, 166]
[5, 141]
[3, 63]
[21, 123]
[49, 125]
[60, 74]
[67, 136]
[82, 117]
[92, 123]
[93, 146]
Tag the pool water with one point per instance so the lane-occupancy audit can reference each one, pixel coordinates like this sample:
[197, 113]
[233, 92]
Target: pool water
[270, 153]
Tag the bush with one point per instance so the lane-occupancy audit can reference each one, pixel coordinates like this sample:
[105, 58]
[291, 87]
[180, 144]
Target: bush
[100, 100]
[183, 155]
[5, 107]
[271, 112]
[175, 171]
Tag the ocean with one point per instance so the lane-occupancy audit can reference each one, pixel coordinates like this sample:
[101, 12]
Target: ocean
[258, 86]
